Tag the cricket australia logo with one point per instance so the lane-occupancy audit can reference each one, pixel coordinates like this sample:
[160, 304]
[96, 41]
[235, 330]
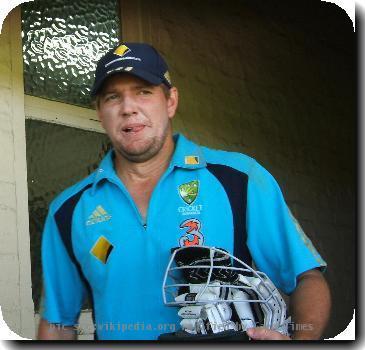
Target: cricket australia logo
[98, 215]
[192, 236]
[189, 191]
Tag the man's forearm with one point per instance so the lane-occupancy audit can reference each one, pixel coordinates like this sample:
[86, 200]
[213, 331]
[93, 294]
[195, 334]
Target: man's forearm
[47, 331]
[310, 306]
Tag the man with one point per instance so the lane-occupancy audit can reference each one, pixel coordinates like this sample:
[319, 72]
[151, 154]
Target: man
[111, 234]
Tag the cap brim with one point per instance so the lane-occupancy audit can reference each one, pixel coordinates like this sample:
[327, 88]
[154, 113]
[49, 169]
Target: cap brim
[139, 73]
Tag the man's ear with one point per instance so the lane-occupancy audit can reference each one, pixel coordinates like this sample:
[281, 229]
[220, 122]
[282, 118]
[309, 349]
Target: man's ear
[172, 102]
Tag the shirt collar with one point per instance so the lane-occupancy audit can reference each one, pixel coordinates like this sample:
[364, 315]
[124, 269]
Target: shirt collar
[105, 170]
[187, 155]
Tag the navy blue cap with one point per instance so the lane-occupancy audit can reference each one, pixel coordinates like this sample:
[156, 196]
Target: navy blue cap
[139, 59]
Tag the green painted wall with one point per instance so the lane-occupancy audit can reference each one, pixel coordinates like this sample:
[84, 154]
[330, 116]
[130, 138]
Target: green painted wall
[277, 81]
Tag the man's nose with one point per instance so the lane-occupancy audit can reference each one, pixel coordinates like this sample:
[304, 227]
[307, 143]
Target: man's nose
[128, 106]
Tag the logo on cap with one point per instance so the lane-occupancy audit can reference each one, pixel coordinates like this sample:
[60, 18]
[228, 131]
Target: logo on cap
[122, 50]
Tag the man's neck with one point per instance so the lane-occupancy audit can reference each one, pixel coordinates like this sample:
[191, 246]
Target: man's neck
[149, 171]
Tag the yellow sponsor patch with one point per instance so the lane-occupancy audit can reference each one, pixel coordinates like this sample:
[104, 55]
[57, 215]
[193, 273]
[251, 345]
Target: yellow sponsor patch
[121, 50]
[191, 160]
[102, 249]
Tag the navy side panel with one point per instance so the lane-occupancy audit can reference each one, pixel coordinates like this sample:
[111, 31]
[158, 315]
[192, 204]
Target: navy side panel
[235, 183]
[63, 218]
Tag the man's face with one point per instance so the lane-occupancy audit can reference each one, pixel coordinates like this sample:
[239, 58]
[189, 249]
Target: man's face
[136, 116]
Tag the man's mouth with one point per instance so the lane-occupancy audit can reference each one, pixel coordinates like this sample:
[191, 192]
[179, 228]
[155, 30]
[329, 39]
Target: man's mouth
[133, 128]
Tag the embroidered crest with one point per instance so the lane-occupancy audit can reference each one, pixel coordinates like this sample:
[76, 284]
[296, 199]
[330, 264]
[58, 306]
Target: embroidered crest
[189, 191]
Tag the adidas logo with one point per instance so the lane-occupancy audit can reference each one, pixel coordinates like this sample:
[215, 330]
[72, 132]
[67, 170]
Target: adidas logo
[98, 215]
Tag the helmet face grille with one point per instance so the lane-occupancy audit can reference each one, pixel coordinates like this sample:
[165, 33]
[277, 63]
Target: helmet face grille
[202, 263]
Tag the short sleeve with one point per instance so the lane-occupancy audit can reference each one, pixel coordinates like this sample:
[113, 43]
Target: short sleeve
[277, 243]
[63, 287]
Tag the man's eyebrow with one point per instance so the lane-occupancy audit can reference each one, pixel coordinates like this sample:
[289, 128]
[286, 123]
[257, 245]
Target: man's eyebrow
[144, 86]
[139, 86]
[107, 91]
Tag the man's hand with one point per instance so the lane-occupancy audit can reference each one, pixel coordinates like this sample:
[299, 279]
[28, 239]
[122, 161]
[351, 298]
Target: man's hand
[47, 331]
[262, 333]
[310, 305]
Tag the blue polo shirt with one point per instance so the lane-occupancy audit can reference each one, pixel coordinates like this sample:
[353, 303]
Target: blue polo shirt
[95, 239]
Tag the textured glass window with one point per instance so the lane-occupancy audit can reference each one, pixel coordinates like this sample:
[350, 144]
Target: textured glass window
[57, 157]
[62, 41]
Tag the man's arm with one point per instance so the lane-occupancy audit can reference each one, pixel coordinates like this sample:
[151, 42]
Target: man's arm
[48, 331]
[310, 306]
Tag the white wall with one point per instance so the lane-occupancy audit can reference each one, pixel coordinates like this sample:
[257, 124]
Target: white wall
[15, 273]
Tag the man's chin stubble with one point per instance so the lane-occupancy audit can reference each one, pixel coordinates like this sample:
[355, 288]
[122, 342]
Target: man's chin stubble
[141, 156]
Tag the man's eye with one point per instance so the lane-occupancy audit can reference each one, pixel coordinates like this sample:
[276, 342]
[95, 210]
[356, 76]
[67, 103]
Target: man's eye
[145, 92]
[111, 97]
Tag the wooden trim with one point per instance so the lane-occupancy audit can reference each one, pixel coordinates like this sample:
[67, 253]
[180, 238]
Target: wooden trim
[61, 113]
[131, 20]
